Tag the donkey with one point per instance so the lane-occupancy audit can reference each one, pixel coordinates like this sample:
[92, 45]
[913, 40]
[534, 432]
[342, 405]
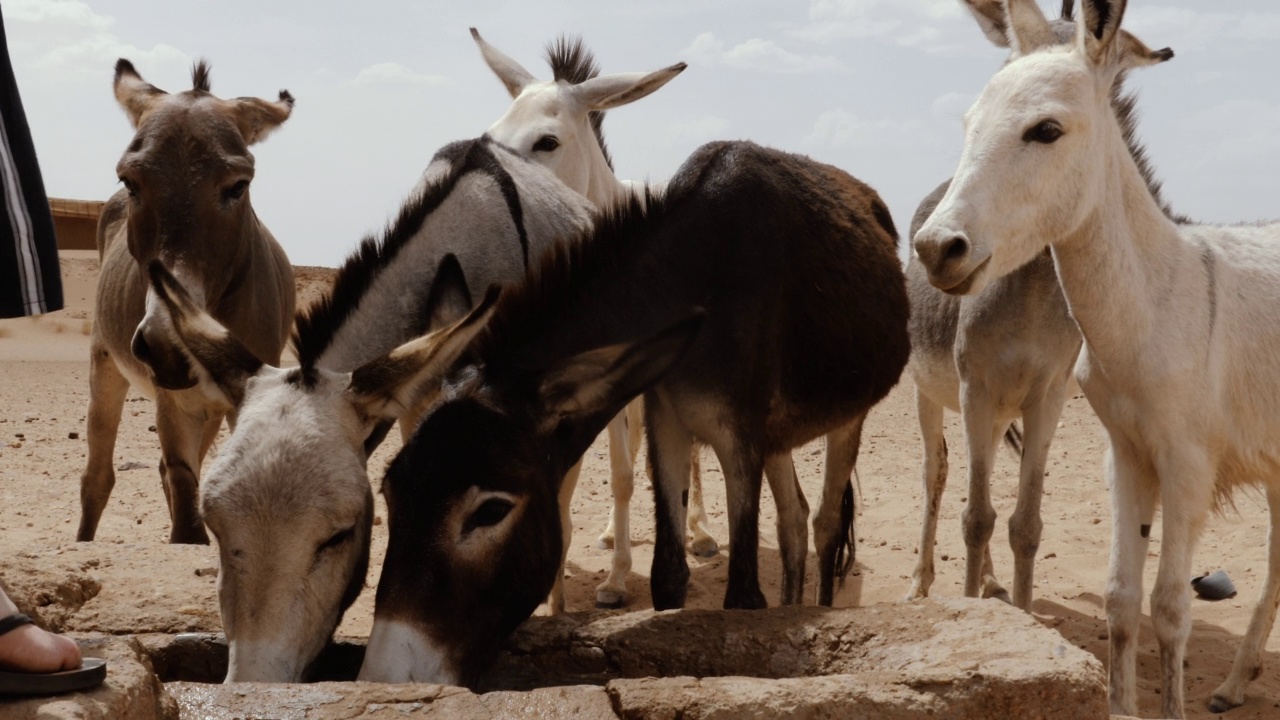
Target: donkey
[770, 308]
[1181, 338]
[558, 124]
[995, 356]
[288, 496]
[185, 202]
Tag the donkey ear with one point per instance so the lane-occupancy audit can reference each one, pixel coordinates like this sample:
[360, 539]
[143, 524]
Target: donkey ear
[991, 18]
[1106, 45]
[184, 346]
[257, 118]
[390, 386]
[449, 299]
[583, 392]
[1027, 27]
[511, 73]
[133, 93]
[610, 91]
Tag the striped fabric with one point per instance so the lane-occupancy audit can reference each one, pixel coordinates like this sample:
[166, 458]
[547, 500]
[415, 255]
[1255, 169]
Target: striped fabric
[30, 283]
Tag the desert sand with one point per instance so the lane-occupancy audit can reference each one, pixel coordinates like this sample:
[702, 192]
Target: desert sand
[44, 393]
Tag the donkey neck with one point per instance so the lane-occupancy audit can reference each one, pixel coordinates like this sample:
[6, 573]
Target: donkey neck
[1117, 269]
[603, 186]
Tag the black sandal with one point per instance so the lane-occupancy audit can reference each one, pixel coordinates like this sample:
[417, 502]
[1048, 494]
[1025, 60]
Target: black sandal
[92, 671]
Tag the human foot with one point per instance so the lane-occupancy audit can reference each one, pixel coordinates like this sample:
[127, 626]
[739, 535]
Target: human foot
[30, 649]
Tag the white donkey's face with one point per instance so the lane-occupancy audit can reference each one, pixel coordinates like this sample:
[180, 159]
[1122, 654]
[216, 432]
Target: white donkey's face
[1037, 149]
[551, 121]
[1027, 174]
[287, 496]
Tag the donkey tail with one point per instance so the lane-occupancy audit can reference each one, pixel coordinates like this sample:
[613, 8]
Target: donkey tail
[846, 550]
[1013, 438]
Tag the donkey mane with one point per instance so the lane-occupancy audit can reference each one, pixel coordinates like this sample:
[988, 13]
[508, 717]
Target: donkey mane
[1124, 104]
[527, 310]
[316, 327]
[200, 76]
[573, 63]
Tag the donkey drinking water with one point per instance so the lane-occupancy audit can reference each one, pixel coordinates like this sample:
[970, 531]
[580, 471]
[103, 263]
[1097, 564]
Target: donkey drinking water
[288, 496]
[1181, 359]
[758, 304]
[559, 124]
[185, 202]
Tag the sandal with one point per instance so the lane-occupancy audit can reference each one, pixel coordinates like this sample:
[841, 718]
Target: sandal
[1214, 586]
[92, 671]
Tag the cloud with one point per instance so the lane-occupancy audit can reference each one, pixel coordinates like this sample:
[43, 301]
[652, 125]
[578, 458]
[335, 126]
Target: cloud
[389, 73]
[1185, 29]
[60, 36]
[840, 129]
[758, 54]
[925, 24]
[70, 12]
[1239, 132]
[952, 105]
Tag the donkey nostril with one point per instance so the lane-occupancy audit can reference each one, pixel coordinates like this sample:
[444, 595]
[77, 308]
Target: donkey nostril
[955, 248]
[140, 349]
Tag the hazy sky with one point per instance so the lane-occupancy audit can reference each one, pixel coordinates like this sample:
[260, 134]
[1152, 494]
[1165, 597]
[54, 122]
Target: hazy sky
[876, 87]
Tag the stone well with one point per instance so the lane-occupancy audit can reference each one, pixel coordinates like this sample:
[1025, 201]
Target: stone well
[946, 658]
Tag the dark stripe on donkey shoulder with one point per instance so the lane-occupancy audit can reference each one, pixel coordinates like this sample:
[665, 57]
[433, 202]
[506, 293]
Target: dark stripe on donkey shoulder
[487, 163]
[316, 327]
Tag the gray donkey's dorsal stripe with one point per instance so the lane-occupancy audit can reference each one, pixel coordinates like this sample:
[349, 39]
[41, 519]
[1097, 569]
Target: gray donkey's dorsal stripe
[394, 270]
[485, 161]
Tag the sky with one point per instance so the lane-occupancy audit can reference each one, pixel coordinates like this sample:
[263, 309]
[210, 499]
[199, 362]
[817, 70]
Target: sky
[875, 87]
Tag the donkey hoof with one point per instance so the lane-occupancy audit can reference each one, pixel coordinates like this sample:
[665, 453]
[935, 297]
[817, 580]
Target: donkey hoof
[610, 599]
[604, 542]
[705, 547]
[1220, 704]
[1002, 595]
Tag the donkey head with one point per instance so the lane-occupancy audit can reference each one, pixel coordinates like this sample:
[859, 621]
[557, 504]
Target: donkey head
[287, 496]
[186, 174]
[557, 123]
[472, 504]
[1037, 143]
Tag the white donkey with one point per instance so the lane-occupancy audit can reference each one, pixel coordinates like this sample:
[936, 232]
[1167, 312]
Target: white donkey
[558, 125]
[1004, 353]
[1182, 339]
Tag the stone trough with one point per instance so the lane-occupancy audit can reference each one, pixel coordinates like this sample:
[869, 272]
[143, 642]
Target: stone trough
[944, 658]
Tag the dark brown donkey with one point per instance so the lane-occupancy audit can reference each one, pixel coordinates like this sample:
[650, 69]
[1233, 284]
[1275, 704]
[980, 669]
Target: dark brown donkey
[185, 202]
[758, 304]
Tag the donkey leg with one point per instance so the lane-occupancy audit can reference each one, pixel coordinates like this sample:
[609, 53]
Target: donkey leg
[1248, 662]
[107, 390]
[979, 517]
[833, 525]
[792, 524]
[743, 473]
[1186, 474]
[181, 434]
[929, 414]
[612, 593]
[1133, 501]
[1039, 421]
[669, 446]
[555, 601]
[702, 545]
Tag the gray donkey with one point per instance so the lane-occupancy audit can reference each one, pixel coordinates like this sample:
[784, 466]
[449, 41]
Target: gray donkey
[1005, 353]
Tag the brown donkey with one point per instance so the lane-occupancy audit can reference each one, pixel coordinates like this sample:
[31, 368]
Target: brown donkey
[185, 202]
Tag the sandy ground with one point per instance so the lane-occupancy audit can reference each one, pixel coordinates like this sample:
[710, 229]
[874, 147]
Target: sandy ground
[44, 393]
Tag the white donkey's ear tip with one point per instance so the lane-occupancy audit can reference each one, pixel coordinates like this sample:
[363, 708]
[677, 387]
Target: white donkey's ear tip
[475, 34]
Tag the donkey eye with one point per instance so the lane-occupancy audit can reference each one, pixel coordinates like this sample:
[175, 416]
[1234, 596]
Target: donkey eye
[546, 143]
[235, 192]
[339, 538]
[129, 186]
[1045, 131]
[490, 513]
